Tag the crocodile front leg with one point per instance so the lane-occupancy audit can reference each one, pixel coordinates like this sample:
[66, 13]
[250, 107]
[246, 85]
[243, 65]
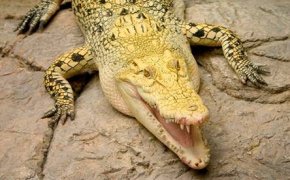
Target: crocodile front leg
[72, 63]
[234, 52]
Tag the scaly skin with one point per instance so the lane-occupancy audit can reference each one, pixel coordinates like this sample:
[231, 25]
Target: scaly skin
[141, 49]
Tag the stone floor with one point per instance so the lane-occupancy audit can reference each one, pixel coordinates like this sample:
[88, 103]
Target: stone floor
[248, 131]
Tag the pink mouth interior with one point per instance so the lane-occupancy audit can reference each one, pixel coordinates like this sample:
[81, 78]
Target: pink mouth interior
[182, 136]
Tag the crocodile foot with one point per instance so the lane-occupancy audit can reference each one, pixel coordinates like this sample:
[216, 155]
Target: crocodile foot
[61, 112]
[37, 17]
[251, 72]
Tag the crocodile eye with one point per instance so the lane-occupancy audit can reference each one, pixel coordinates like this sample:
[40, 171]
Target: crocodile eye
[149, 72]
[146, 73]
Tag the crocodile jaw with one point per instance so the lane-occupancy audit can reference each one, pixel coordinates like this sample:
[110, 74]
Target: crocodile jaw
[189, 147]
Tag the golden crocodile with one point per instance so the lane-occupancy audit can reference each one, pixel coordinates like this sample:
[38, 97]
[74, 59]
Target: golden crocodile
[141, 49]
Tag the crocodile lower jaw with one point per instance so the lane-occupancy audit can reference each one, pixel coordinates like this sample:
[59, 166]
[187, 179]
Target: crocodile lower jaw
[186, 143]
[185, 140]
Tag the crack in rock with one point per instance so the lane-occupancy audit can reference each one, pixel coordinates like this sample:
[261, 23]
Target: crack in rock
[47, 140]
[271, 57]
[7, 51]
[254, 43]
[29, 65]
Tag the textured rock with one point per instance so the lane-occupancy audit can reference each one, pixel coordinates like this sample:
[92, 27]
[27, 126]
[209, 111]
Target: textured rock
[248, 132]
[24, 137]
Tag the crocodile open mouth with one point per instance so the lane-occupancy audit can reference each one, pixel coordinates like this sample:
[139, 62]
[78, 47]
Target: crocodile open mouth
[182, 137]
[181, 133]
[187, 139]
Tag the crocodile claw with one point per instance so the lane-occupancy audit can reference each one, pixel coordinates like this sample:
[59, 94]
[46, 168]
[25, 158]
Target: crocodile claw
[60, 113]
[252, 73]
[262, 69]
[37, 17]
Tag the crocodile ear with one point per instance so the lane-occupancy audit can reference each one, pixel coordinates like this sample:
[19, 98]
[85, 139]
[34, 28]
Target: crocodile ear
[173, 65]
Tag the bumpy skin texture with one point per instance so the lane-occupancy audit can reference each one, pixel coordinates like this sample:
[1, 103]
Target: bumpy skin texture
[67, 65]
[142, 51]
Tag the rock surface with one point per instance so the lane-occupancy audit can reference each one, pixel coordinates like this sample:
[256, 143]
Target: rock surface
[248, 132]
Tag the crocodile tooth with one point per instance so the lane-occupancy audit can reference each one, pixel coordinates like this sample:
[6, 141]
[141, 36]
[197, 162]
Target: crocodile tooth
[167, 121]
[188, 128]
[181, 126]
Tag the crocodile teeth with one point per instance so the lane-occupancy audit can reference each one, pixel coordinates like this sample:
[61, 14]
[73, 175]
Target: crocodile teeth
[188, 128]
[181, 126]
[167, 121]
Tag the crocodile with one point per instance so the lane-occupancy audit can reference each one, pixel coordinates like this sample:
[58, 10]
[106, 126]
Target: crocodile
[141, 49]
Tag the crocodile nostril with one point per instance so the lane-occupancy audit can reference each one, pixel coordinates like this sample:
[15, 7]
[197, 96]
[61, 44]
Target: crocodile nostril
[176, 64]
[192, 107]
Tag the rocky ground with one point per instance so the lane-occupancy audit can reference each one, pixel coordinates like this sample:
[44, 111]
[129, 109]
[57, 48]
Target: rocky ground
[248, 131]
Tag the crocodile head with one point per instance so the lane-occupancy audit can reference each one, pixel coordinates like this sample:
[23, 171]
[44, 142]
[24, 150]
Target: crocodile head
[160, 94]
